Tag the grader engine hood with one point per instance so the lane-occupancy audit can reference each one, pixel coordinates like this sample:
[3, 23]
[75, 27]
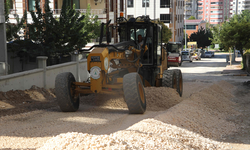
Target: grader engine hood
[98, 65]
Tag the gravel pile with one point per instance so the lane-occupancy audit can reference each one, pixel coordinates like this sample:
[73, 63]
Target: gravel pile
[205, 112]
[194, 123]
[147, 134]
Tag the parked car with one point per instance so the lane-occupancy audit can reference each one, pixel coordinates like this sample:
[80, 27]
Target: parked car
[186, 56]
[208, 54]
[237, 51]
[212, 54]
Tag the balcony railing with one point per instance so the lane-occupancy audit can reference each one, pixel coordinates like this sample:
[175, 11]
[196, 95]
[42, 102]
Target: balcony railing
[92, 11]
[13, 11]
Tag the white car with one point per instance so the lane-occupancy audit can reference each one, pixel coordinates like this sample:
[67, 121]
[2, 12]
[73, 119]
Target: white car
[208, 54]
[185, 56]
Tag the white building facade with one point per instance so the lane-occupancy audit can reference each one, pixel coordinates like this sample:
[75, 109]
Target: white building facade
[237, 6]
[191, 9]
[171, 12]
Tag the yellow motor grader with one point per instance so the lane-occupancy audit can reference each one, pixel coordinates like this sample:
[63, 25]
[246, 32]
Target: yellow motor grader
[125, 67]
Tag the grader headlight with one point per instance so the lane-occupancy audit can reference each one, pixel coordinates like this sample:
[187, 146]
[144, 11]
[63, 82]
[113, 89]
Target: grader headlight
[128, 52]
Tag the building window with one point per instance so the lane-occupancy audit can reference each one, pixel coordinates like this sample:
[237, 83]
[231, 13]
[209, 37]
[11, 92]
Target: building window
[130, 3]
[218, 3]
[71, 3]
[121, 5]
[165, 3]
[220, 11]
[165, 18]
[145, 1]
[76, 3]
[32, 4]
[191, 27]
[111, 5]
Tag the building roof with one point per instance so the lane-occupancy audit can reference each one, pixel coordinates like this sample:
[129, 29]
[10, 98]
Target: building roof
[195, 22]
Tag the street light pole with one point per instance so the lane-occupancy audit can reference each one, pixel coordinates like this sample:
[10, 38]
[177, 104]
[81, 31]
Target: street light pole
[185, 26]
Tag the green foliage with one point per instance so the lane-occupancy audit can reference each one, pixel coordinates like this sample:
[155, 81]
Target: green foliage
[7, 10]
[216, 36]
[236, 32]
[202, 37]
[166, 33]
[92, 25]
[62, 35]
[191, 18]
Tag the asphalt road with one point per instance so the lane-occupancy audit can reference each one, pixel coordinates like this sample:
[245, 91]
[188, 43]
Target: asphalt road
[208, 70]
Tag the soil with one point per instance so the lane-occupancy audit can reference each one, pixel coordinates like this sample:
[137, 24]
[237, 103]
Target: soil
[15, 102]
[208, 116]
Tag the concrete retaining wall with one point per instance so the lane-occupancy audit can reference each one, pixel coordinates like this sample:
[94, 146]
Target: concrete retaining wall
[44, 76]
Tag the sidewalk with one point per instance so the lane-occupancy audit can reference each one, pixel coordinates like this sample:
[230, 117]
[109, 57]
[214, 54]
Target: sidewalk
[235, 68]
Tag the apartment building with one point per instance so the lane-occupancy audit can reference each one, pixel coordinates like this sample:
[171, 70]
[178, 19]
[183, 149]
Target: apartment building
[3, 50]
[191, 9]
[214, 11]
[171, 12]
[237, 6]
[104, 9]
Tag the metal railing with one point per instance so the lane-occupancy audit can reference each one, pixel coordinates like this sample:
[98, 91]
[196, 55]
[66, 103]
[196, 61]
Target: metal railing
[92, 11]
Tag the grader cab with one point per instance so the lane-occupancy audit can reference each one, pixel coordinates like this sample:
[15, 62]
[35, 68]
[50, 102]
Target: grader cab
[124, 68]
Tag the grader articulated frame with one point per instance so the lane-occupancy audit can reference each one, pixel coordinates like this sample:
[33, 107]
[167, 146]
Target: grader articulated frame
[125, 68]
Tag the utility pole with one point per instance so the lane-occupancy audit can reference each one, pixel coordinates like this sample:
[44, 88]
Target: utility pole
[3, 46]
[185, 26]
[236, 14]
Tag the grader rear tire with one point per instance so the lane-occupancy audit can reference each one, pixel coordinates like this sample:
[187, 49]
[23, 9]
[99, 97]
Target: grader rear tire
[64, 90]
[169, 79]
[134, 93]
[179, 81]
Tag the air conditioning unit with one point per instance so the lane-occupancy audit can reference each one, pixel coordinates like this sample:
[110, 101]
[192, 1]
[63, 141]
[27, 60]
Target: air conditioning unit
[98, 1]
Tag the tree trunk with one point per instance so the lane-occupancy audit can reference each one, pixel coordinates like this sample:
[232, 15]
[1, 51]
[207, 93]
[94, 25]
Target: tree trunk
[243, 60]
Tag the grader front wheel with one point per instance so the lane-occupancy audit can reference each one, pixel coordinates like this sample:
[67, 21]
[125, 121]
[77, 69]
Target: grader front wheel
[169, 79]
[134, 93]
[65, 94]
[179, 81]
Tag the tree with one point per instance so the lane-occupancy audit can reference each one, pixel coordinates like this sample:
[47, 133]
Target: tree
[236, 33]
[166, 33]
[202, 37]
[216, 36]
[92, 25]
[60, 36]
[191, 18]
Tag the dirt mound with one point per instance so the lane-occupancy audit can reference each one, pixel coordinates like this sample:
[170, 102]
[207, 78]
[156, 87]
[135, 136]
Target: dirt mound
[158, 98]
[18, 101]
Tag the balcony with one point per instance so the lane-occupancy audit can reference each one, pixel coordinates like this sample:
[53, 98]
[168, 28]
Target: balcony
[92, 11]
